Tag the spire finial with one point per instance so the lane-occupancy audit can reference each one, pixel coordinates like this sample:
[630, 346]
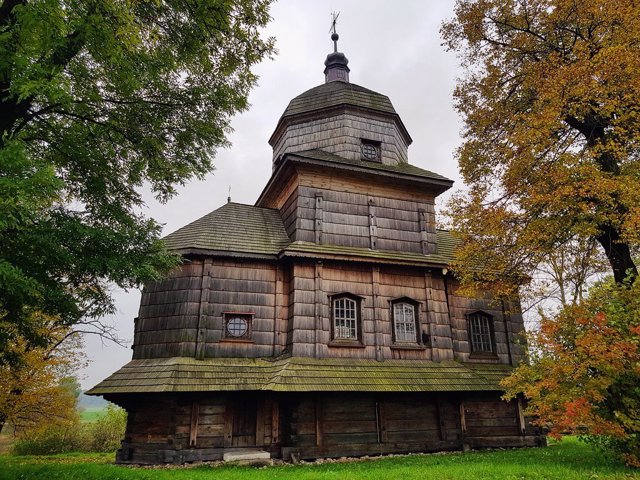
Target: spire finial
[229, 197]
[334, 35]
[336, 63]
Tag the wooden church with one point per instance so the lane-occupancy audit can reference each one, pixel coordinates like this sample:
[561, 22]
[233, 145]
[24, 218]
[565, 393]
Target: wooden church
[321, 321]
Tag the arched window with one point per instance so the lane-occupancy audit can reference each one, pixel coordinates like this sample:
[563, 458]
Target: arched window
[346, 317]
[405, 316]
[481, 334]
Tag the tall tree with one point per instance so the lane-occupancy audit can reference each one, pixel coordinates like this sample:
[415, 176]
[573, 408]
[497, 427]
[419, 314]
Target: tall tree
[97, 99]
[551, 102]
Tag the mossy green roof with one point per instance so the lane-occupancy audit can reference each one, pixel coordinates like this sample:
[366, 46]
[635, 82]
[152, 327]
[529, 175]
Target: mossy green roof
[246, 230]
[403, 168]
[308, 249]
[300, 374]
[233, 228]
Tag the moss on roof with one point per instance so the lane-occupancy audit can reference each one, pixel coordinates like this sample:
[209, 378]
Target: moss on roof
[403, 168]
[300, 374]
[239, 230]
[308, 249]
[338, 93]
[235, 228]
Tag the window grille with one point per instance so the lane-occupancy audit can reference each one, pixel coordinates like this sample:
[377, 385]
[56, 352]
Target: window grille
[404, 322]
[480, 332]
[345, 319]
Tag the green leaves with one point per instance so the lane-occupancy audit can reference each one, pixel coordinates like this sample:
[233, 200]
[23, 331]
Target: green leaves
[97, 100]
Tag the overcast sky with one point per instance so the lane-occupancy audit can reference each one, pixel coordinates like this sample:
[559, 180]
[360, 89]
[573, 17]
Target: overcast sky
[393, 48]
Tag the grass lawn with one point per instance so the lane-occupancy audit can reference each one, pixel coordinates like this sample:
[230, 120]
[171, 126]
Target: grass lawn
[568, 460]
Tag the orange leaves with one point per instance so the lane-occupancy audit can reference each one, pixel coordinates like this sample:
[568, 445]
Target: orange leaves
[585, 372]
[551, 103]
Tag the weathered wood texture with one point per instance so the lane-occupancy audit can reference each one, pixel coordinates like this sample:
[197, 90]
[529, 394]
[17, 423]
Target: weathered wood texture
[334, 211]
[507, 323]
[169, 314]
[184, 314]
[360, 424]
[160, 429]
[290, 303]
[341, 134]
[378, 287]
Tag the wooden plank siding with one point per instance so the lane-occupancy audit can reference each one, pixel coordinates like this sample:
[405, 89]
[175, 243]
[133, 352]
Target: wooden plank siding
[160, 428]
[340, 134]
[364, 424]
[184, 314]
[508, 327]
[403, 217]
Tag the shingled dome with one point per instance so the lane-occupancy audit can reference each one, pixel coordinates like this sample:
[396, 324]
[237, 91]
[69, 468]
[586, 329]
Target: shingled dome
[333, 94]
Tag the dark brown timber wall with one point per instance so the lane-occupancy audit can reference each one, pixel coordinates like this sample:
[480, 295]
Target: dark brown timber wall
[165, 428]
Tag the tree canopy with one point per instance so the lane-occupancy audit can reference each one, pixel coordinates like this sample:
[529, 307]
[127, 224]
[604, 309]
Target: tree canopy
[98, 99]
[585, 370]
[551, 103]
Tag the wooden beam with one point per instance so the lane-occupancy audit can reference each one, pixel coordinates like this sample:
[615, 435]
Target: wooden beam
[193, 430]
[521, 420]
[422, 226]
[428, 286]
[318, 405]
[319, 218]
[442, 426]
[228, 424]
[203, 310]
[277, 309]
[373, 223]
[260, 414]
[463, 419]
[319, 293]
[275, 421]
[377, 320]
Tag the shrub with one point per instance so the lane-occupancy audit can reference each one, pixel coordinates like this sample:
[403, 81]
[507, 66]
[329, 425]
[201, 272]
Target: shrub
[51, 438]
[108, 430]
[103, 435]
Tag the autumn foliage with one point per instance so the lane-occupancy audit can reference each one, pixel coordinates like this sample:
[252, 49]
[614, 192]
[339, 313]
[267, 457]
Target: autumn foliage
[585, 371]
[551, 104]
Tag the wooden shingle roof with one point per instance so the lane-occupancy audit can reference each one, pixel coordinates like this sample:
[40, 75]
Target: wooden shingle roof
[246, 231]
[333, 94]
[300, 374]
[404, 168]
[232, 228]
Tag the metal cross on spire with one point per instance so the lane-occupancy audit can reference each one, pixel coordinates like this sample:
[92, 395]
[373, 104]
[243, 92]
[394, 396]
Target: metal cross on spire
[334, 35]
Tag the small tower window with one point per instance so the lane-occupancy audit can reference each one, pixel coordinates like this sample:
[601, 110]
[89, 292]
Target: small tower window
[370, 150]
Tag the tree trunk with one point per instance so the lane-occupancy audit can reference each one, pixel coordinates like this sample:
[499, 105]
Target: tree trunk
[618, 254]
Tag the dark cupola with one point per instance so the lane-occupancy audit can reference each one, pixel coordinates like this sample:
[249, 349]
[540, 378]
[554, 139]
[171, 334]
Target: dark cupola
[336, 69]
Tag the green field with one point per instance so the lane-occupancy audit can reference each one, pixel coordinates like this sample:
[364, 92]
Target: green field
[568, 460]
[91, 414]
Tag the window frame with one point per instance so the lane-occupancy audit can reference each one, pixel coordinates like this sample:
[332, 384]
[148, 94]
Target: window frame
[358, 320]
[473, 348]
[416, 321]
[247, 336]
[374, 143]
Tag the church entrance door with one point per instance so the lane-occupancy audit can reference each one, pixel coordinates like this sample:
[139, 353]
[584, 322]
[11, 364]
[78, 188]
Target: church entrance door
[244, 423]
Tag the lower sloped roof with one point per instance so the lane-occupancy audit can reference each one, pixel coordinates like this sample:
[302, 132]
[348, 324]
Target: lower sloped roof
[232, 228]
[300, 374]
